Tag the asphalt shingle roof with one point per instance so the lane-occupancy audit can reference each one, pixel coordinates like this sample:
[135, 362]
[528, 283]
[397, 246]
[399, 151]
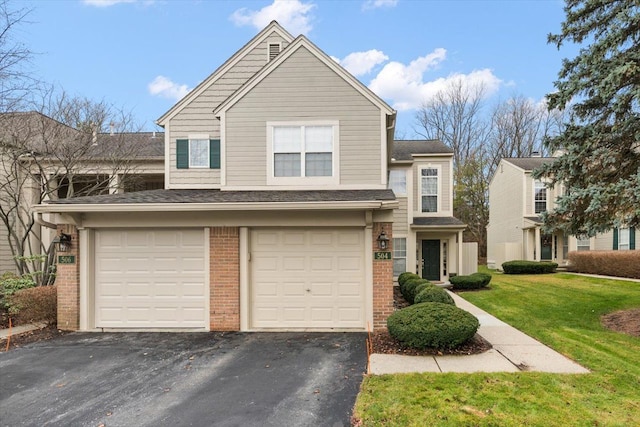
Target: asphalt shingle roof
[217, 196]
[403, 149]
[528, 163]
[437, 220]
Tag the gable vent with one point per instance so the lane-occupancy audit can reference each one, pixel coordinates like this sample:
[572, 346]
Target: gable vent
[274, 50]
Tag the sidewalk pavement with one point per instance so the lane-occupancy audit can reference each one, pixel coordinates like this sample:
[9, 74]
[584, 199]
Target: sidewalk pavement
[513, 351]
[4, 333]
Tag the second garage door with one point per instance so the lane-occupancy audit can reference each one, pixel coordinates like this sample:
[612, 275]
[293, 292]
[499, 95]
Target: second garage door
[150, 279]
[307, 278]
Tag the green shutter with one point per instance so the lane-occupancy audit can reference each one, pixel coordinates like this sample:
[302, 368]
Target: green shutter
[182, 154]
[615, 239]
[214, 153]
[632, 238]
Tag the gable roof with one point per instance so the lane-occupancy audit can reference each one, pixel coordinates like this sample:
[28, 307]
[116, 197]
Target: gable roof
[213, 77]
[299, 42]
[404, 150]
[528, 163]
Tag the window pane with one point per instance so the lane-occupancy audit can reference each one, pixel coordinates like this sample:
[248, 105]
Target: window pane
[429, 203]
[318, 139]
[623, 239]
[399, 266]
[199, 153]
[540, 197]
[430, 172]
[286, 164]
[318, 164]
[398, 181]
[399, 256]
[287, 139]
[430, 186]
[584, 244]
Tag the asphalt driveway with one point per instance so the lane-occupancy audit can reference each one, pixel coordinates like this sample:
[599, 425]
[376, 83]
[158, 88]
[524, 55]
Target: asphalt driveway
[183, 379]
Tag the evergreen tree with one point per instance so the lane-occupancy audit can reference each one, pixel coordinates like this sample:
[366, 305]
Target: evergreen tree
[600, 87]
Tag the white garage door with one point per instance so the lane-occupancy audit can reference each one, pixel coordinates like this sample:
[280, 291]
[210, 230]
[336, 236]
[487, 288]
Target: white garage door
[307, 278]
[150, 279]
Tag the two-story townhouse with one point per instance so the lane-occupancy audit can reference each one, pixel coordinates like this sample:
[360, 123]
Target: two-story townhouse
[516, 201]
[427, 237]
[275, 213]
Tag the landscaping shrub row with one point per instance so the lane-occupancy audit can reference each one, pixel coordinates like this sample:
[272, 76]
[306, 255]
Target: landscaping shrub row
[434, 320]
[607, 263]
[528, 267]
[472, 281]
[37, 304]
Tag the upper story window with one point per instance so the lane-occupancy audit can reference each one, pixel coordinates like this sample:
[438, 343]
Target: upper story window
[198, 152]
[398, 181]
[302, 151]
[540, 197]
[429, 185]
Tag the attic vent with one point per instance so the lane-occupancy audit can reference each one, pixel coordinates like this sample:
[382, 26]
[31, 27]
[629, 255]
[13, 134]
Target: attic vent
[274, 50]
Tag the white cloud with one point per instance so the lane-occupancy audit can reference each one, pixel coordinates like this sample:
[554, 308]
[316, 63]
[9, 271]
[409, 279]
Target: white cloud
[293, 15]
[105, 3]
[406, 88]
[375, 4]
[164, 87]
[361, 63]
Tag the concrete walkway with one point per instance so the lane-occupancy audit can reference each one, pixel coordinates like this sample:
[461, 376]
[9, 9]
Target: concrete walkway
[513, 351]
[16, 330]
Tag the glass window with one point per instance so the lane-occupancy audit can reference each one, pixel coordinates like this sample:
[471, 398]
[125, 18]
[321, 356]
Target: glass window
[540, 198]
[623, 239]
[399, 256]
[198, 153]
[302, 151]
[429, 189]
[398, 181]
[584, 244]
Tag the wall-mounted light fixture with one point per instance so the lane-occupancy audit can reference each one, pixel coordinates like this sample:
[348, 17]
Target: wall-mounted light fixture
[62, 242]
[383, 240]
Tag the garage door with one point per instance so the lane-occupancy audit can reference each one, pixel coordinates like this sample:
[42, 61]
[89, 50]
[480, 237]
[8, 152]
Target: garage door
[307, 278]
[150, 279]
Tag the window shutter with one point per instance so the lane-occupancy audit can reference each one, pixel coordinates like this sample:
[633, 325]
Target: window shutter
[632, 238]
[214, 153]
[615, 239]
[182, 154]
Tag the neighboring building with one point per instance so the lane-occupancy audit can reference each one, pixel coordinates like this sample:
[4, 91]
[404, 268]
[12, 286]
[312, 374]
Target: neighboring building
[427, 237]
[516, 201]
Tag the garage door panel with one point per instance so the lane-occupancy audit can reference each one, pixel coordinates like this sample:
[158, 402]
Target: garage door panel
[152, 280]
[307, 278]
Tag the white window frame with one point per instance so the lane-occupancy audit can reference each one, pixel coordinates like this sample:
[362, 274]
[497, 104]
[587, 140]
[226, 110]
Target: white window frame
[536, 187]
[395, 254]
[302, 181]
[399, 173]
[624, 246]
[583, 245]
[439, 190]
[194, 138]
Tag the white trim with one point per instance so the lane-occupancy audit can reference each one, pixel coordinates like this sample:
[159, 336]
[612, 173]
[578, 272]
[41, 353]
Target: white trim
[269, 43]
[438, 211]
[223, 150]
[199, 137]
[167, 157]
[406, 250]
[304, 181]
[383, 148]
[245, 299]
[196, 186]
[368, 271]
[295, 187]
[207, 277]
[86, 308]
[546, 196]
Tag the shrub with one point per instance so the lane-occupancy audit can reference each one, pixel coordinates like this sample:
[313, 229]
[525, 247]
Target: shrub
[486, 278]
[528, 267]
[433, 294]
[37, 304]
[403, 277]
[432, 324]
[608, 263]
[409, 288]
[10, 284]
[467, 282]
[423, 284]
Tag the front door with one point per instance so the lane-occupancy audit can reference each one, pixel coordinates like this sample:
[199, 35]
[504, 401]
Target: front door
[431, 259]
[545, 247]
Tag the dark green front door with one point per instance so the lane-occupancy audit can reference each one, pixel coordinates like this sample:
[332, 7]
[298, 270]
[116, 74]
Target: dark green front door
[431, 259]
[545, 247]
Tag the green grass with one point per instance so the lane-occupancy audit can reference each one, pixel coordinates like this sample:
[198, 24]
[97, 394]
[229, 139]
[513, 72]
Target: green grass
[561, 310]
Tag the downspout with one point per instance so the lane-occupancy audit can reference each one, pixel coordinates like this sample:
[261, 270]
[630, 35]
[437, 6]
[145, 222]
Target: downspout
[40, 221]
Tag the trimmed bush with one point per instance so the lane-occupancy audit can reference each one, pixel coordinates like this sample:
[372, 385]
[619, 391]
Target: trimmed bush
[409, 288]
[607, 263]
[11, 283]
[416, 290]
[433, 294]
[432, 325]
[486, 278]
[403, 277]
[467, 282]
[528, 267]
[37, 304]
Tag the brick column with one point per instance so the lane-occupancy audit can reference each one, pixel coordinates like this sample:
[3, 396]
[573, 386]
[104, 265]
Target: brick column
[68, 283]
[224, 254]
[382, 279]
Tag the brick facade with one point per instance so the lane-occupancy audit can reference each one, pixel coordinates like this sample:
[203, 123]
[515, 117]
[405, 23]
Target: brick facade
[224, 253]
[68, 284]
[382, 279]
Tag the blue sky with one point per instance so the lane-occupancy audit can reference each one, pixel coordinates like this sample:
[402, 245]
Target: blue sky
[144, 55]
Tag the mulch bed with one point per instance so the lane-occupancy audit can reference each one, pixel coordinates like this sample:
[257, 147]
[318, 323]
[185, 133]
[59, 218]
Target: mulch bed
[624, 321]
[17, 341]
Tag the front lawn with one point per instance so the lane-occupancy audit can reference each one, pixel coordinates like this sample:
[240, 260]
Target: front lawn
[561, 310]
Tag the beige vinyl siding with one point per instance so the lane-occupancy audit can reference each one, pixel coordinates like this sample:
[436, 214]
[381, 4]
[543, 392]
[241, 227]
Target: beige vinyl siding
[303, 88]
[197, 116]
[603, 242]
[444, 181]
[400, 218]
[528, 209]
[6, 258]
